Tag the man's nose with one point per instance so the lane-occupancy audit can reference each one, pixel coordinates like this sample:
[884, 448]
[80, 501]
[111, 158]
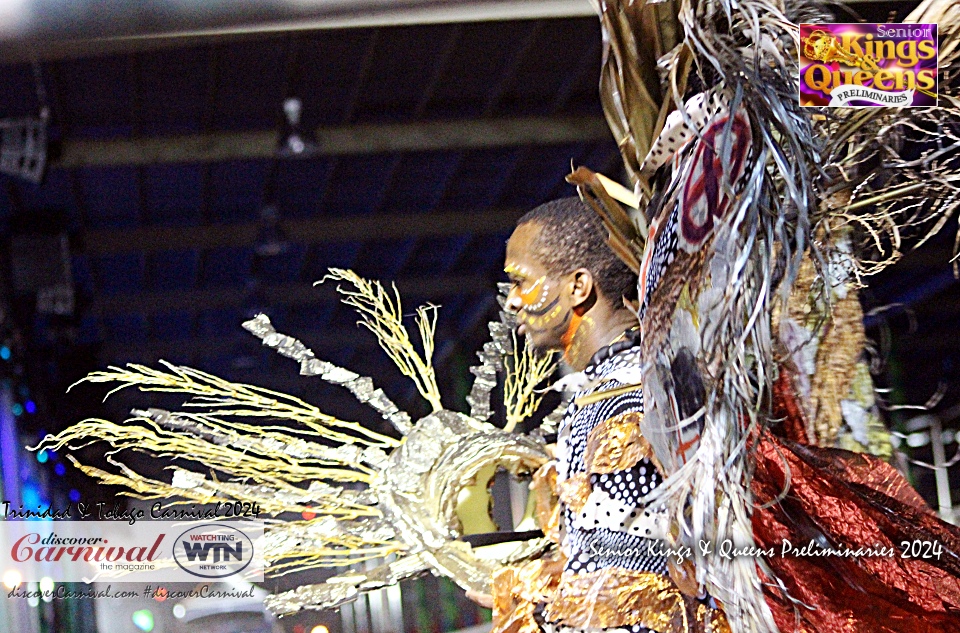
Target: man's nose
[513, 303]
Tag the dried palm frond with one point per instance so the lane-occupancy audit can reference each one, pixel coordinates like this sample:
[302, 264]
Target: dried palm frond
[636, 36]
[625, 238]
[525, 369]
[382, 315]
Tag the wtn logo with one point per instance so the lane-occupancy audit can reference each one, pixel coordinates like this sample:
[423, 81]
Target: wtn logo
[213, 551]
[201, 550]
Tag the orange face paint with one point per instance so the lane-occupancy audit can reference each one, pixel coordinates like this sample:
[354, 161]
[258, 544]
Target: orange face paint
[532, 295]
[567, 339]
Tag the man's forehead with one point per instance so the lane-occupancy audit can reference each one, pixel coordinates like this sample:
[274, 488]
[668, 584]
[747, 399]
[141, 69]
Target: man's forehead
[520, 255]
[513, 267]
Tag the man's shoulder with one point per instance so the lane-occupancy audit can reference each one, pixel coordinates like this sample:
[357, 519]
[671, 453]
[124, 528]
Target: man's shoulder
[622, 367]
[615, 384]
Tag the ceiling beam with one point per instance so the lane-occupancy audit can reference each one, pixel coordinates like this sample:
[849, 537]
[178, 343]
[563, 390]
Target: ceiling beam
[317, 230]
[291, 294]
[343, 140]
[54, 29]
[89, 28]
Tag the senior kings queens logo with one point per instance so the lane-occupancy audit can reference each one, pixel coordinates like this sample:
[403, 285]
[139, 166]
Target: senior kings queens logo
[868, 65]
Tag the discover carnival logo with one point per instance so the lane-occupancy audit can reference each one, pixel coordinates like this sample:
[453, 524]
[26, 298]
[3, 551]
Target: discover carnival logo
[868, 65]
[213, 551]
[116, 551]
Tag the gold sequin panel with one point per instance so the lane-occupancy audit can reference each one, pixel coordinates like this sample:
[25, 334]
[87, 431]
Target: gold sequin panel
[547, 506]
[617, 597]
[616, 444]
[518, 589]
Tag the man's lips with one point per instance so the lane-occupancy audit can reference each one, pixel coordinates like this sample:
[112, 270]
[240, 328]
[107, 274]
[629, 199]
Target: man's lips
[522, 329]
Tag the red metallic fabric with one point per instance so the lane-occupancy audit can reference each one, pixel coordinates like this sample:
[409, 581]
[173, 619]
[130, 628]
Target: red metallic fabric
[847, 501]
[786, 408]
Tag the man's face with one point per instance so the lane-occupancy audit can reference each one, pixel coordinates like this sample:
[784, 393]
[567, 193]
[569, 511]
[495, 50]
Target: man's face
[541, 301]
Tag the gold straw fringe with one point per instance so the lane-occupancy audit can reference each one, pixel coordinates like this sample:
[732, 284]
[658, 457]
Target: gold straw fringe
[275, 466]
[525, 369]
[225, 398]
[383, 315]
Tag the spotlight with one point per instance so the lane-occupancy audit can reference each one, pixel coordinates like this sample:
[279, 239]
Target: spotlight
[296, 143]
[46, 586]
[23, 147]
[143, 620]
[12, 579]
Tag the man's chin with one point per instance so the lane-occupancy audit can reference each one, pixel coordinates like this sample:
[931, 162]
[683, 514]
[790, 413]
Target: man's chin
[541, 346]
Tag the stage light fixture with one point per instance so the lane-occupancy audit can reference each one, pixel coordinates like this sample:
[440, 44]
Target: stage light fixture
[23, 147]
[295, 143]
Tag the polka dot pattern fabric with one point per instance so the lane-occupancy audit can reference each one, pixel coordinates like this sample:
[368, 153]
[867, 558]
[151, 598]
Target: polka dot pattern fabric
[664, 252]
[603, 510]
[670, 144]
[676, 132]
[613, 529]
[629, 486]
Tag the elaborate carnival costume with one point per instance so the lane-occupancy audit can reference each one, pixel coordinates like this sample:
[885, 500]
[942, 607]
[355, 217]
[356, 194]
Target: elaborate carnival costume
[611, 569]
[368, 495]
[754, 220]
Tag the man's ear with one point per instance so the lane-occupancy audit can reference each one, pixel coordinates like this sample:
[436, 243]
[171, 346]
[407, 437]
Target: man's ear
[583, 291]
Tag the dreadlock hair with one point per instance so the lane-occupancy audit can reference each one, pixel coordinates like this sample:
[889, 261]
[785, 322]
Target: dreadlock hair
[572, 237]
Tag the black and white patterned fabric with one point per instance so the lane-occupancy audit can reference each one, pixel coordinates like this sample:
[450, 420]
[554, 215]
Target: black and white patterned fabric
[664, 252]
[677, 131]
[614, 528]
